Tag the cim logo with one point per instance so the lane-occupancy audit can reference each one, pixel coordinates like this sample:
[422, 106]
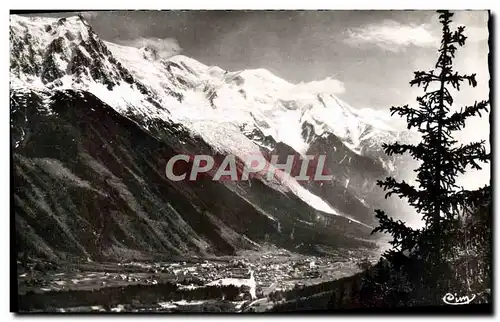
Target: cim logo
[453, 299]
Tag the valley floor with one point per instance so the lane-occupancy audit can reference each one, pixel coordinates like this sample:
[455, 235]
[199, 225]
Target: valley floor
[193, 285]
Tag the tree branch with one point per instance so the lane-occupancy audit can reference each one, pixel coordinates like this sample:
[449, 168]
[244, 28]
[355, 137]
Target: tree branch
[457, 120]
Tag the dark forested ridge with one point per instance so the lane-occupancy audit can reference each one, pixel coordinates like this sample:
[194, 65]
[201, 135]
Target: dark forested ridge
[90, 183]
[98, 224]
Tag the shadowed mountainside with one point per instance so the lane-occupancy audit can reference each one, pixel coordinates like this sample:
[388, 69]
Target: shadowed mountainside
[90, 183]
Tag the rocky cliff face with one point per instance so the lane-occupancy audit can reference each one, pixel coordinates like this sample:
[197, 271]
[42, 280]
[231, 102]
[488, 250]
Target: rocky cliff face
[90, 183]
[94, 123]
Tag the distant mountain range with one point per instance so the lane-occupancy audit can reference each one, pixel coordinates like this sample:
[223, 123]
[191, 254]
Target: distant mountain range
[93, 124]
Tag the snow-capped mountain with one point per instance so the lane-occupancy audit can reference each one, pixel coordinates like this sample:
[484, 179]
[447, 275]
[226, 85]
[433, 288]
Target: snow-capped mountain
[217, 111]
[66, 53]
[217, 100]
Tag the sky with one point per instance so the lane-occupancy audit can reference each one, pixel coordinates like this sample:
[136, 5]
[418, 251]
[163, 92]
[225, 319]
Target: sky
[369, 55]
[372, 54]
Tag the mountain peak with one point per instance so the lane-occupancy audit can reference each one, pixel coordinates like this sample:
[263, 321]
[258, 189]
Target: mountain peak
[44, 30]
[50, 49]
[67, 53]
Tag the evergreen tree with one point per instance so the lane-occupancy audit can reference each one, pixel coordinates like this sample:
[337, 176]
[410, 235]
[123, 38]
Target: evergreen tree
[436, 195]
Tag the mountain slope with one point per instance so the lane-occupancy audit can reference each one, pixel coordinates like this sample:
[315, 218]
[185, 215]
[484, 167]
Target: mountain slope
[89, 183]
[148, 89]
[122, 112]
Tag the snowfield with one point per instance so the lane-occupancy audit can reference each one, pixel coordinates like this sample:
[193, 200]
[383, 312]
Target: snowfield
[212, 103]
[238, 282]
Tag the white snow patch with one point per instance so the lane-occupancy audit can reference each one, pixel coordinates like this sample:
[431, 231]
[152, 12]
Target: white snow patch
[167, 305]
[184, 302]
[188, 287]
[238, 282]
[118, 308]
